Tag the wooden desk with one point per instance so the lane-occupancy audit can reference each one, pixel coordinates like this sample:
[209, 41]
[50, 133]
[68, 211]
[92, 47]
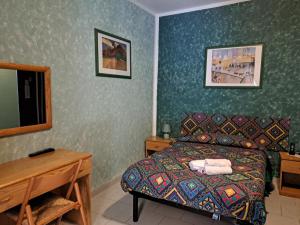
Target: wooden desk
[15, 175]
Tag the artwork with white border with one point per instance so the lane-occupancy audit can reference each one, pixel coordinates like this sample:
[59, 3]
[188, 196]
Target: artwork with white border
[113, 55]
[234, 66]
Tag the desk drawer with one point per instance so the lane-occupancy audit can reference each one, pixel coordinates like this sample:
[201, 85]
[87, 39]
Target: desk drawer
[59, 177]
[12, 195]
[156, 146]
[290, 166]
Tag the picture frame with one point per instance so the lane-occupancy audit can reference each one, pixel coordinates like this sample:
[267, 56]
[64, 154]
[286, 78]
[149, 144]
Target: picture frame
[234, 66]
[112, 55]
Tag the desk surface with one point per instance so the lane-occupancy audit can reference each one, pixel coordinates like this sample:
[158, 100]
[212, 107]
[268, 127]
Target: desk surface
[21, 169]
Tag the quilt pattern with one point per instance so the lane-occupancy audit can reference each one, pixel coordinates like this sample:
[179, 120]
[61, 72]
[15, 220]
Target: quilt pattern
[270, 133]
[239, 195]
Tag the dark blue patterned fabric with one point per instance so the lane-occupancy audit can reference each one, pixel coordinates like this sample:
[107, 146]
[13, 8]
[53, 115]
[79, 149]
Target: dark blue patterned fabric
[166, 175]
[221, 139]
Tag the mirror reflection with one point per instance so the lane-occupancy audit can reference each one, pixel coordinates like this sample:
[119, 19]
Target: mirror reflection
[22, 98]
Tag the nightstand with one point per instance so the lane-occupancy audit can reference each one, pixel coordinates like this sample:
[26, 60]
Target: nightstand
[289, 175]
[156, 144]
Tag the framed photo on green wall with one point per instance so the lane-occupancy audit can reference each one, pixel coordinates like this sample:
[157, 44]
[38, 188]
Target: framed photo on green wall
[113, 55]
[234, 67]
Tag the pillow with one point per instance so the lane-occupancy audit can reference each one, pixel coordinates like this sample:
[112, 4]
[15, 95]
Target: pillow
[220, 139]
[201, 138]
[236, 141]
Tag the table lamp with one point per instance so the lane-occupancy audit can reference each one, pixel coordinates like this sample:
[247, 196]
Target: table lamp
[166, 129]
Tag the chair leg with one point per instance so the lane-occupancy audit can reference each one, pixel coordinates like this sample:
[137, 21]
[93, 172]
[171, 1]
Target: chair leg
[21, 216]
[25, 202]
[58, 222]
[29, 215]
[79, 199]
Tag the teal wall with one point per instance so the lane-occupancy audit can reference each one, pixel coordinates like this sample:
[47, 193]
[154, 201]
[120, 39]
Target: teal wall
[96, 114]
[9, 99]
[184, 37]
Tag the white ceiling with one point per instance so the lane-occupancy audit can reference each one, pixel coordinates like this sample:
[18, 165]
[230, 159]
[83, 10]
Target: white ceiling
[161, 7]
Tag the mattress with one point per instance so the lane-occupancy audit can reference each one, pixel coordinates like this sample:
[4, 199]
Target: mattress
[166, 175]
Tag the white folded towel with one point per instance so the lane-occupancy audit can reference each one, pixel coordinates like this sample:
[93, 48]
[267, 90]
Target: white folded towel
[217, 162]
[216, 170]
[211, 166]
[197, 164]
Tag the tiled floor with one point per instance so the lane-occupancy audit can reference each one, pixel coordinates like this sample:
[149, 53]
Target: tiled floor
[114, 207]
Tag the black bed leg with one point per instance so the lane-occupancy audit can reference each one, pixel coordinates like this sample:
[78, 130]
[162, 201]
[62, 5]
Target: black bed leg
[135, 208]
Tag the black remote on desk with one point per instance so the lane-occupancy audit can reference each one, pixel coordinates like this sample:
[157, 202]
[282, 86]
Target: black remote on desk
[46, 150]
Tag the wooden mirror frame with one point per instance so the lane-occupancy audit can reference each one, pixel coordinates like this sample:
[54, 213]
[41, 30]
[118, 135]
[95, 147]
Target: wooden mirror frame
[31, 128]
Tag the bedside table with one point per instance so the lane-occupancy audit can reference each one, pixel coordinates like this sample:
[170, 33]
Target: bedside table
[289, 175]
[156, 144]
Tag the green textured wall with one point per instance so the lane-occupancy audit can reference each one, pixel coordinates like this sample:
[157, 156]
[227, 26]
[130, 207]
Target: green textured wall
[96, 114]
[184, 37]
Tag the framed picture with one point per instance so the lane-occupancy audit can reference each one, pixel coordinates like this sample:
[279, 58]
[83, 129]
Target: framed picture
[113, 55]
[235, 67]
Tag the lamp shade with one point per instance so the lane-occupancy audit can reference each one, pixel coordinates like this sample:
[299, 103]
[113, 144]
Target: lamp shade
[166, 128]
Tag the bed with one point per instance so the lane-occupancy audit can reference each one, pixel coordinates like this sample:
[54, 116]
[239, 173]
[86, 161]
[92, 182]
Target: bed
[166, 177]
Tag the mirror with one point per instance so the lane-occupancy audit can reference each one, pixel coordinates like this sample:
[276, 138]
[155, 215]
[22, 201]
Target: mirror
[25, 98]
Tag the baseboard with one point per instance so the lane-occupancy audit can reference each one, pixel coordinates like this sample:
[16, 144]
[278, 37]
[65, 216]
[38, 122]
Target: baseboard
[106, 185]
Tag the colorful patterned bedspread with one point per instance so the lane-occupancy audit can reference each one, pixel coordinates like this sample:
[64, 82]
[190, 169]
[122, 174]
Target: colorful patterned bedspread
[166, 175]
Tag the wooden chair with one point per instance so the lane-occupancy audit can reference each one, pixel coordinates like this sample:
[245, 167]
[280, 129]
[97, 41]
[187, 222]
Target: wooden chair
[49, 207]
